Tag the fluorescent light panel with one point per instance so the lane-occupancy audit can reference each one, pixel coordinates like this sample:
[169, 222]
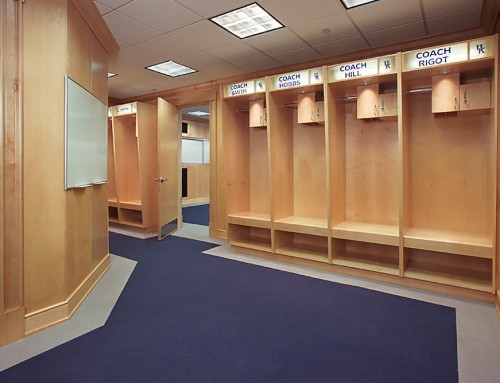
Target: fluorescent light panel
[111, 74]
[247, 21]
[171, 68]
[348, 4]
[199, 113]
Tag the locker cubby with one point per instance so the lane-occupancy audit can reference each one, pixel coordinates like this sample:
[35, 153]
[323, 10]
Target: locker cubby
[127, 158]
[449, 162]
[255, 238]
[364, 164]
[305, 246]
[366, 256]
[130, 217]
[113, 213]
[247, 173]
[298, 165]
[450, 269]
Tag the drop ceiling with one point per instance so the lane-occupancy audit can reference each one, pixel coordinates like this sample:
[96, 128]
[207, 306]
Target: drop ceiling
[153, 31]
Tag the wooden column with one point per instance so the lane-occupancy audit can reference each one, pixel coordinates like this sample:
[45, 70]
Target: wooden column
[11, 240]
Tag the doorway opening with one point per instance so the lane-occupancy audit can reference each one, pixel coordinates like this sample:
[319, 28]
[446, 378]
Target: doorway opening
[195, 161]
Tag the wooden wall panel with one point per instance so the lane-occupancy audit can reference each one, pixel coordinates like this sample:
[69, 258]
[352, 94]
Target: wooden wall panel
[78, 237]
[78, 45]
[99, 224]
[44, 197]
[218, 222]
[198, 129]
[99, 66]
[198, 182]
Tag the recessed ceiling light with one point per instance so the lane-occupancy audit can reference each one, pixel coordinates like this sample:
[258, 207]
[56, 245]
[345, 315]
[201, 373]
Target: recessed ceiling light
[247, 21]
[199, 113]
[171, 68]
[111, 74]
[348, 4]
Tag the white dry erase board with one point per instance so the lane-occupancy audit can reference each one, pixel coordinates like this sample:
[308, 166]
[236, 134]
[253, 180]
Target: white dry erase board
[195, 151]
[86, 149]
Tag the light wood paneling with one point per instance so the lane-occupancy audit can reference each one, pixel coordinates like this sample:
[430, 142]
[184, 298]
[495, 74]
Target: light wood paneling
[388, 105]
[112, 196]
[475, 96]
[371, 169]
[44, 197]
[12, 325]
[257, 113]
[237, 153]
[78, 236]
[78, 48]
[218, 208]
[11, 160]
[97, 24]
[99, 224]
[198, 129]
[367, 102]
[449, 169]
[99, 66]
[147, 126]
[446, 93]
[198, 182]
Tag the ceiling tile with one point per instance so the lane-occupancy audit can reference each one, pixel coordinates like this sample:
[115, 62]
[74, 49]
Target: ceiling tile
[200, 61]
[389, 13]
[167, 47]
[455, 21]
[194, 78]
[128, 30]
[258, 64]
[224, 70]
[204, 35]
[113, 3]
[293, 12]
[433, 8]
[235, 52]
[213, 8]
[297, 56]
[396, 35]
[163, 15]
[132, 58]
[103, 9]
[122, 44]
[340, 27]
[277, 41]
[338, 47]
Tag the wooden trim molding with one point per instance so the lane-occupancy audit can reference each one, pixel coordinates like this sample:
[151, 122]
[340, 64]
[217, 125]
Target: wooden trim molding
[12, 325]
[96, 23]
[60, 312]
[490, 16]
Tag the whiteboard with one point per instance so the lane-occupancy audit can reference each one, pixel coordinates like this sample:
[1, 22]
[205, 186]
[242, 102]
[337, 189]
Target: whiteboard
[86, 131]
[192, 151]
[206, 151]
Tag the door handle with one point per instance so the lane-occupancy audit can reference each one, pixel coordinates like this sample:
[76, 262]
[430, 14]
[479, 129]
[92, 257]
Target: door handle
[160, 179]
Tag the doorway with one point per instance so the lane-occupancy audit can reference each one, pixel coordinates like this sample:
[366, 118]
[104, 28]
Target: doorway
[195, 160]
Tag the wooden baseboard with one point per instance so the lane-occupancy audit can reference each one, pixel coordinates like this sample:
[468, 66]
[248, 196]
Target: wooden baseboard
[12, 324]
[217, 233]
[396, 280]
[60, 312]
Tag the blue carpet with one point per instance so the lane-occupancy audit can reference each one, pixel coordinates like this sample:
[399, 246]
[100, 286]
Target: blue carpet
[189, 317]
[199, 214]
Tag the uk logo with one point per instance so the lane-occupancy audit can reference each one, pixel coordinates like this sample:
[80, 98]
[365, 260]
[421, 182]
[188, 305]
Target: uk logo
[480, 49]
[387, 64]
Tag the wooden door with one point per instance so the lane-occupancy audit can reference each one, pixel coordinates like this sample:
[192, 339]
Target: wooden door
[475, 96]
[445, 93]
[367, 103]
[306, 108]
[388, 105]
[169, 196]
[257, 114]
